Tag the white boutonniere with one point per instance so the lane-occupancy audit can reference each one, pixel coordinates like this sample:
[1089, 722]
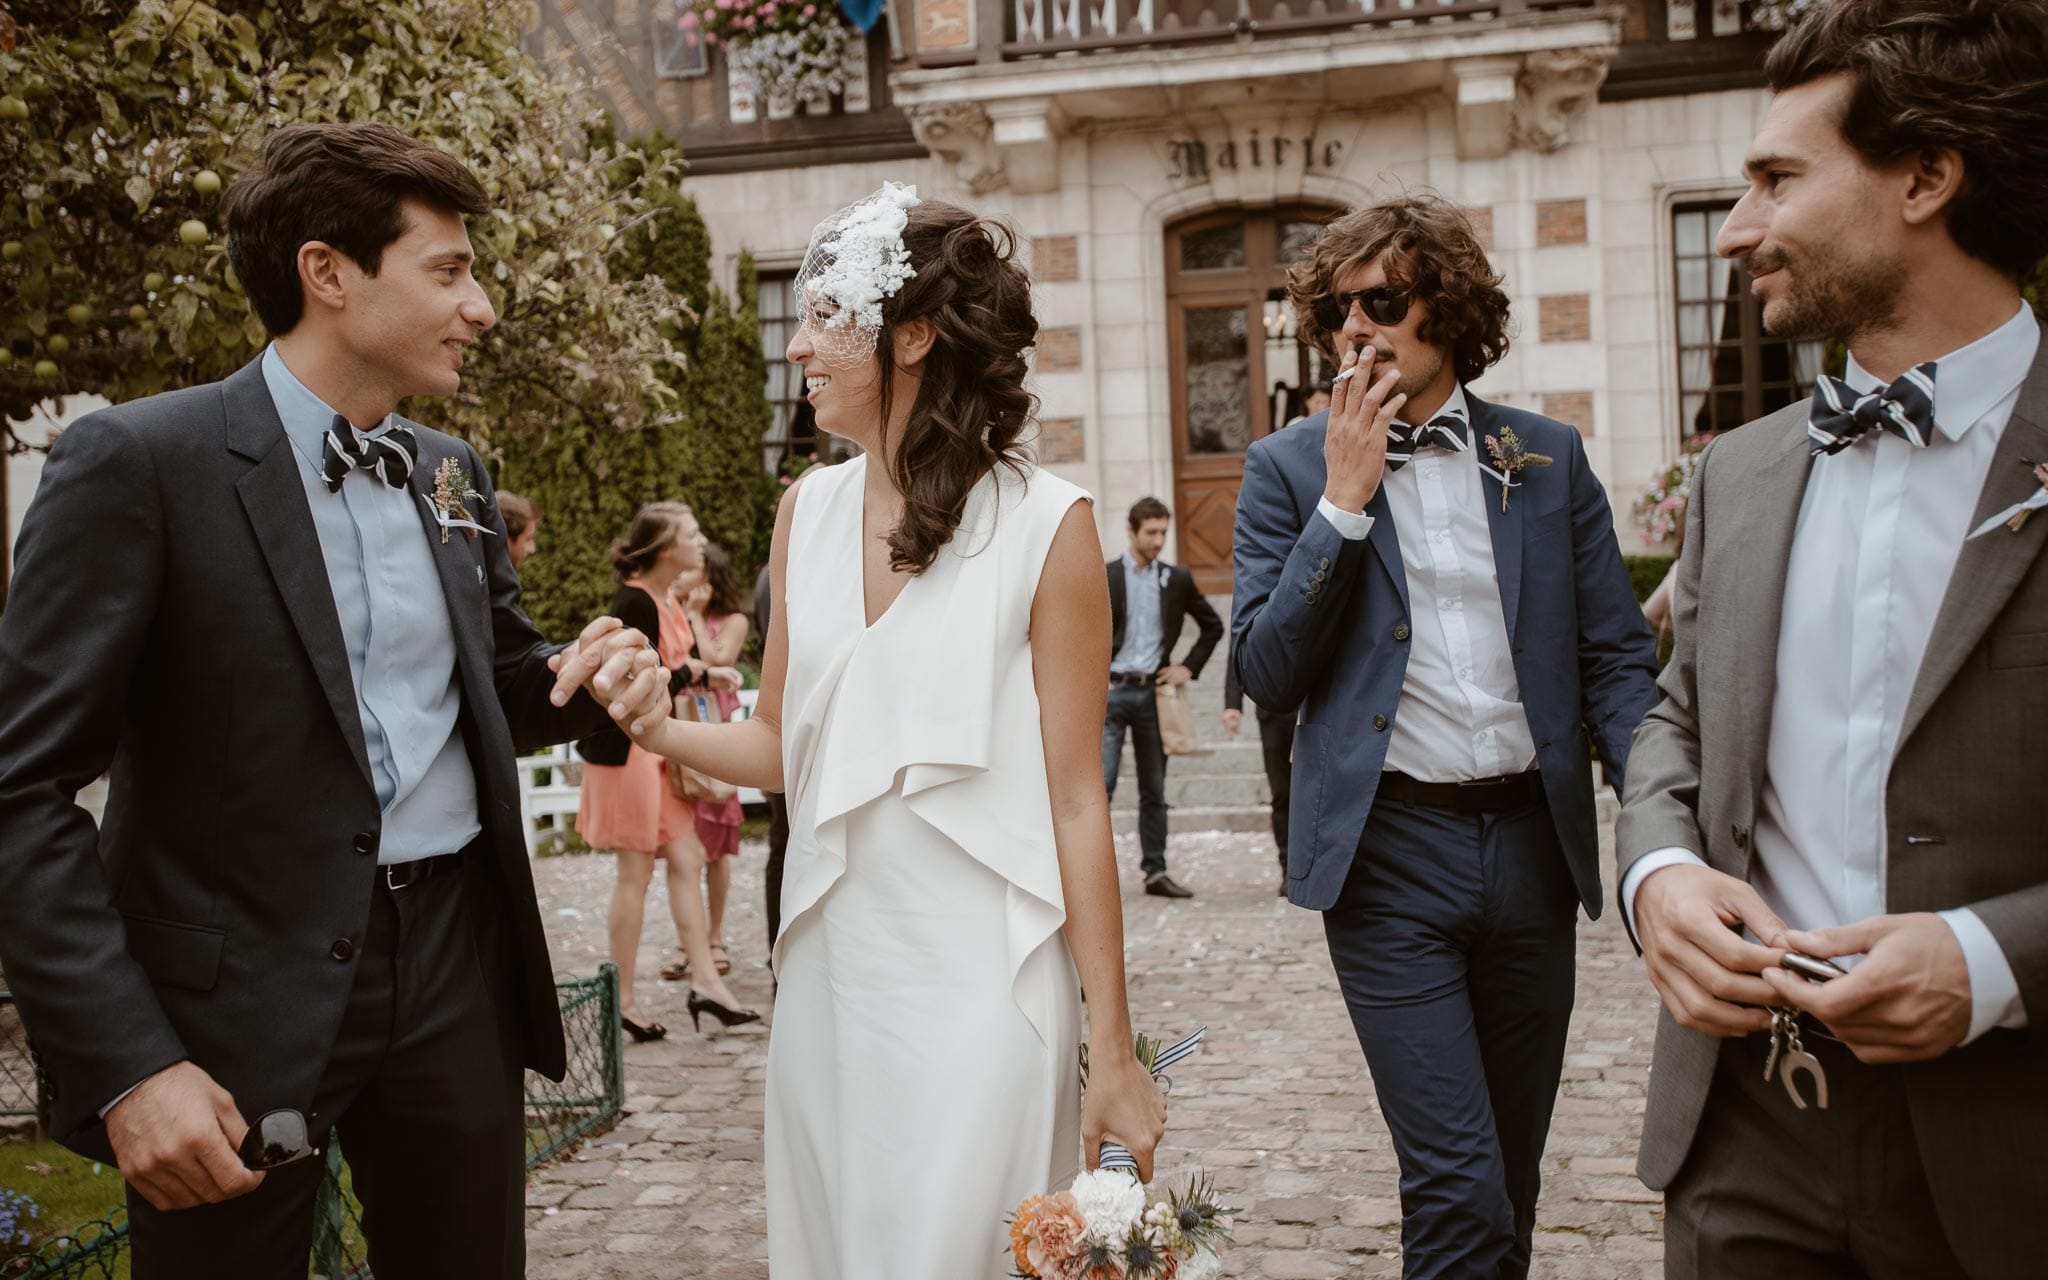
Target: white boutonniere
[2015, 516]
[1510, 458]
[453, 493]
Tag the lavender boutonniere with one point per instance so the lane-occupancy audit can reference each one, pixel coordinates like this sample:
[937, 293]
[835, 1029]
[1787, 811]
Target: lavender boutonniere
[453, 492]
[1510, 458]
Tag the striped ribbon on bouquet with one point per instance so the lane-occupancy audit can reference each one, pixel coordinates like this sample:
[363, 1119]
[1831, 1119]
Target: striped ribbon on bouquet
[1113, 1155]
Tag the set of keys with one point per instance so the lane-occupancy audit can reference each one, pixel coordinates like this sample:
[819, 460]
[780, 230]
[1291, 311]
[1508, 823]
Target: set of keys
[1788, 1056]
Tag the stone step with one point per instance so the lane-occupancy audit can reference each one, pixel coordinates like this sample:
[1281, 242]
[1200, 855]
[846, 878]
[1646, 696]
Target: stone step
[1181, 821]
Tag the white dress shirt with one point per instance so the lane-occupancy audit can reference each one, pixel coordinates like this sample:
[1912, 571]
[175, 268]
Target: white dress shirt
[1880, 527]
[1461, 716]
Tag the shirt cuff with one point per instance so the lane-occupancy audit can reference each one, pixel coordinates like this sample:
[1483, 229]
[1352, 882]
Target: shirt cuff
[1353, 525]
[119, 1098]
[1640, 871]
[1994, 991]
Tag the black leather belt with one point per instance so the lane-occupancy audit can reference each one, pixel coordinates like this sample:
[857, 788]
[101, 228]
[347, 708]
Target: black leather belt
[403, 875]
[1129, 680]
[1488, 795]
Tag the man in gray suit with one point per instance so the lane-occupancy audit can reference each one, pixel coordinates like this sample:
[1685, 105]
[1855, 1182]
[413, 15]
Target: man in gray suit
[1846, 762]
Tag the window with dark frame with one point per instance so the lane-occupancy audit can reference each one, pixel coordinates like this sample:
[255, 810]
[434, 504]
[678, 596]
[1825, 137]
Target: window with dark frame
[792, 431]
[1729, 370]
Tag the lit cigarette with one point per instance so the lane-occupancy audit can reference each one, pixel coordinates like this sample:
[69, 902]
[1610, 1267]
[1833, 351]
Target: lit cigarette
[1340, 377]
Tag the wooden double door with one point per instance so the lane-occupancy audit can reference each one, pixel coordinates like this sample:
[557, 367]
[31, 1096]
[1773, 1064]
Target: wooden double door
[1238, 370]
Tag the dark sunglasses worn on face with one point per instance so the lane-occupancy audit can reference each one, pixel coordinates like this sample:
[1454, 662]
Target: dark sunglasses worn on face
[276, 1139]
[1383, 305]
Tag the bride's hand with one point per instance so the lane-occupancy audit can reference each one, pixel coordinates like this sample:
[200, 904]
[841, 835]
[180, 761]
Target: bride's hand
[1124, 1105]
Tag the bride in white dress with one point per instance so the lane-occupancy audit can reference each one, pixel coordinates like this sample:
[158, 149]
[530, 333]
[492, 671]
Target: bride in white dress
[931, 703]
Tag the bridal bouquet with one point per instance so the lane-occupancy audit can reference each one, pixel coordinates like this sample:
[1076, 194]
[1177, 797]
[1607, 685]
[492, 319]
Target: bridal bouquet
[1105, 1227]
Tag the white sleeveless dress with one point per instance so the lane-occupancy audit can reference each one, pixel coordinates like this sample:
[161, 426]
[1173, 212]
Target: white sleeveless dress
[921, 1076]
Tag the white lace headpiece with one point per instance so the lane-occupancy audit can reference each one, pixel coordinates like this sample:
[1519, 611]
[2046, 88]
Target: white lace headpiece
[855, 262]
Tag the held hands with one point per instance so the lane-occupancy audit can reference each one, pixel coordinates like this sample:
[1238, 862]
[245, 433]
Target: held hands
[1907, 1000]
[616, 664]
[1123, 1104]
[176, 1139]
[1355, 444]
[1710, 976]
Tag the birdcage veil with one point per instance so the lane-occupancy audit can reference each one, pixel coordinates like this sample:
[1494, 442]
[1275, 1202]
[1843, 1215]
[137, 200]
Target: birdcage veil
[855, 262]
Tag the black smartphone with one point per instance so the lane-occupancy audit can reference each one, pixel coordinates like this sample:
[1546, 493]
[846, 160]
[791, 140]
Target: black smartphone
[1813, 969]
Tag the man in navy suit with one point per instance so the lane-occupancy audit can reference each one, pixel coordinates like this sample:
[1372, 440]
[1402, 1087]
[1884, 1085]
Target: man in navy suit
[1432, 583]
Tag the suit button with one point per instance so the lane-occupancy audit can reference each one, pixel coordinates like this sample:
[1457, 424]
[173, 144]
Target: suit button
[1309, 597]
[1324, 563]
[342, 949]
[366, 843]
[1321, 576]
[1740, 836]
[1379, 722]
[1400, 631]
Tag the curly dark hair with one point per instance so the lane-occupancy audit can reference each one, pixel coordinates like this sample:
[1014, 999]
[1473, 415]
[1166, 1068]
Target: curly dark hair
[971, 411]
[1429, 249]
[1969, 75]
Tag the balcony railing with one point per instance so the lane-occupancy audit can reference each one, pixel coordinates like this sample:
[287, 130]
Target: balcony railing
[1040, 27]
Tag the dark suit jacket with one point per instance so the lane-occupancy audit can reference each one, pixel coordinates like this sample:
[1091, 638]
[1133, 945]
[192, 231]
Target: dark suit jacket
[1178, 600]
[1322, 625]
[172, 621]
[1962, 800]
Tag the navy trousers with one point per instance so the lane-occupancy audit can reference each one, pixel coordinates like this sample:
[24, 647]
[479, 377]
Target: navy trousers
[1453, 943]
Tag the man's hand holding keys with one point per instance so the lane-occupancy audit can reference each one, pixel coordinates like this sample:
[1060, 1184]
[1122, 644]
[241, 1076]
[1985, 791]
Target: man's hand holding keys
[1355, 443]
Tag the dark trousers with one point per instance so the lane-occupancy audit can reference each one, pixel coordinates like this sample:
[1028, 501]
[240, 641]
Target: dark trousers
[1770, 1190]
[424, 1087]
[778, 849]
[1276, 744]
[1453, 943]
[1137, 710]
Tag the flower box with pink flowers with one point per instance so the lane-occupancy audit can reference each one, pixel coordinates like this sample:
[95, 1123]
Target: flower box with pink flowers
[792, 49]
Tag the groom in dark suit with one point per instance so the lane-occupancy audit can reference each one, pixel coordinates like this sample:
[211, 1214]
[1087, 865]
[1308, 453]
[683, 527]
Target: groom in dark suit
[284, 618]
[1432, 582]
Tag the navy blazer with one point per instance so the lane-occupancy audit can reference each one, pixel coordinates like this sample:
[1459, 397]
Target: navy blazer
[1321, 623]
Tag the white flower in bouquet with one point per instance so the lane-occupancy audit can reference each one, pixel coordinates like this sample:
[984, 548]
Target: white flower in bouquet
[1111, 1203]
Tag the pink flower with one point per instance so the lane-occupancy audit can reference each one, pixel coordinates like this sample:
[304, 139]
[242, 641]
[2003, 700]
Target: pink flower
[725, 4]
[746, 22]
[1055, 1234]
[688, 21]
[810, 11]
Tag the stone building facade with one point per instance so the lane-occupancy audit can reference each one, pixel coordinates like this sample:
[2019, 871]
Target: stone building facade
[1162, 160]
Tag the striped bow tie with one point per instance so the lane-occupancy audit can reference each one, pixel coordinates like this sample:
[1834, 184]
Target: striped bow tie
[1445, 431]
[389, 455]
[1840, 417]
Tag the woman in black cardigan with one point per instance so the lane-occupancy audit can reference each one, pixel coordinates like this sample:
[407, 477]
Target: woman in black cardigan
[628, 805]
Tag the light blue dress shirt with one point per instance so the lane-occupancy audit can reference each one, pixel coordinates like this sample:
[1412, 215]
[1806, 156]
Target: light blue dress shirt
[401, 645]
[1144, 630]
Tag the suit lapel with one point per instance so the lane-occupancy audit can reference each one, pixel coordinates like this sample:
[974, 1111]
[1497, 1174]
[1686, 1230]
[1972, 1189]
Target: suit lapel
[1989, 568]
[274, 496]
[1504, 526]
[1386, 542]
[1755, 599]
[457, 566]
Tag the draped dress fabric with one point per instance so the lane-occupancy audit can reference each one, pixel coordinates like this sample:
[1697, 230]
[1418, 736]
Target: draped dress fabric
[922, 1075]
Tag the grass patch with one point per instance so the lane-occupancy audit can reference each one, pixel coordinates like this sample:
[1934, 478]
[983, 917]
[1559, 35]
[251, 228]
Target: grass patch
[69, 1189]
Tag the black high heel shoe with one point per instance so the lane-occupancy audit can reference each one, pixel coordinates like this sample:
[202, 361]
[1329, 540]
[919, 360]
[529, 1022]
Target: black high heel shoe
[640, 1034]
[726, 1017]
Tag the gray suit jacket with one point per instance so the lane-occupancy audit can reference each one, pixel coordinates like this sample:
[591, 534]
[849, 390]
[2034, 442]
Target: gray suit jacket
[1962, 807]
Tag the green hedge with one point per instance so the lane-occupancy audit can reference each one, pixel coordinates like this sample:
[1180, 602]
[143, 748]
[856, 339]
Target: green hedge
[1645, 572]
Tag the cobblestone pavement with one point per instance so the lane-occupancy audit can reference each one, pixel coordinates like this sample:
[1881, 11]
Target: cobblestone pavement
[1277, 1105]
